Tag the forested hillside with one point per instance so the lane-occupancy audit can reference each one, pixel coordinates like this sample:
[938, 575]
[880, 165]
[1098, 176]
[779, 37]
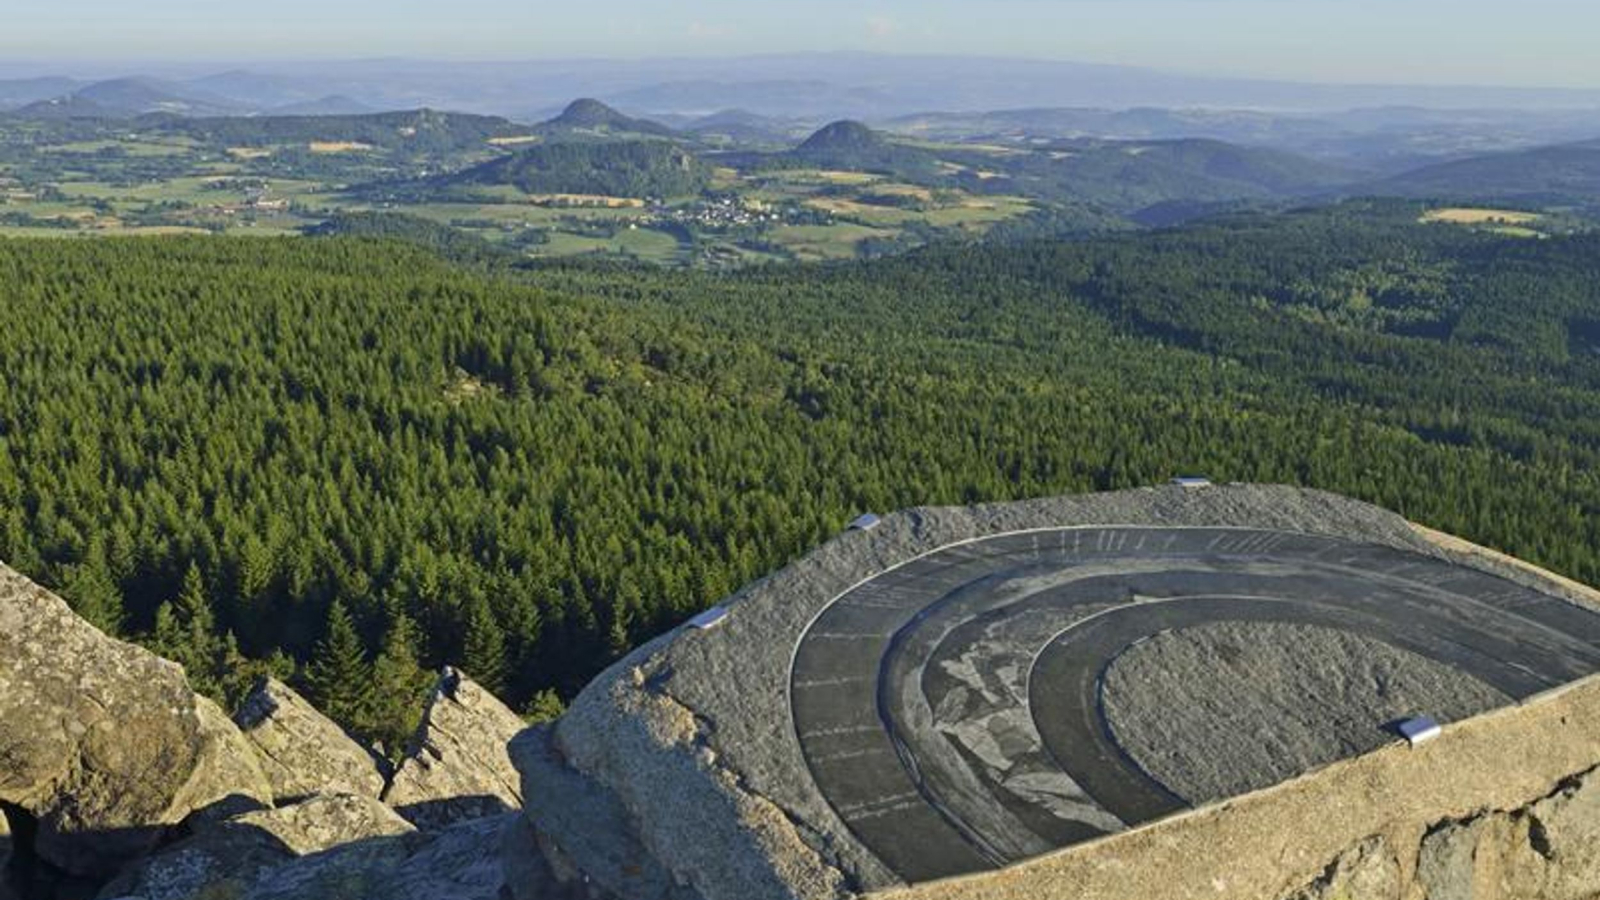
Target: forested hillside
[616, 169]
[352, 454]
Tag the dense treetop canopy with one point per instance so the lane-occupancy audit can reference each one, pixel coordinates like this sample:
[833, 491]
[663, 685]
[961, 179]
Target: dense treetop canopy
[346, 454]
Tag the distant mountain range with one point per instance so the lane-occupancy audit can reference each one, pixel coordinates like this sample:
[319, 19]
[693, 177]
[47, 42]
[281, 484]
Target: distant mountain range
[230, 94]
[1173, 162]
[818, 86]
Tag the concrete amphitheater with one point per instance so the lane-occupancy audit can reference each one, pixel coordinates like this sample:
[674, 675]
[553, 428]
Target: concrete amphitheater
[1174, 692]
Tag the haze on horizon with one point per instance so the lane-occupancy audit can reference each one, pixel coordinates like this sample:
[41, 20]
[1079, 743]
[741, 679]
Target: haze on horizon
[1535, 43]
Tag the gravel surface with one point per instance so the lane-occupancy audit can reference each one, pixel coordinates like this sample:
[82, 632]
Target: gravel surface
[1218, 710]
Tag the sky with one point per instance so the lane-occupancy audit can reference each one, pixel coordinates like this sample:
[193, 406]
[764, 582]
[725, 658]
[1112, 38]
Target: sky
[1479, 42]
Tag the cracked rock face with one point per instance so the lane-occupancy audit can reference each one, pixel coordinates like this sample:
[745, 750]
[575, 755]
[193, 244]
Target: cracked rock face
[1368, 871]
[302, 751]
[458, 766]
[101, 742]
[464, 862]
[1548, 850]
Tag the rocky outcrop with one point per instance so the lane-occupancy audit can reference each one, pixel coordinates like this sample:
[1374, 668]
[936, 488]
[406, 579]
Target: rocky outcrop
[463, 862]
[458, 767]
[302, 751]
[1549, 850]
[102, 743]
[233, 856]
[1546, 850]
[117, 778]
[345, 847]
[595, 844]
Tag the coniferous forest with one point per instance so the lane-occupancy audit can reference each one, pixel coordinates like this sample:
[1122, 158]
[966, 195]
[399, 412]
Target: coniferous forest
[350, 460]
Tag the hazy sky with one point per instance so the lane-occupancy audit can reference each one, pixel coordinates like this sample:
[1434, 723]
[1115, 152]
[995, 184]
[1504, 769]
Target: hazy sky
[1525, 42]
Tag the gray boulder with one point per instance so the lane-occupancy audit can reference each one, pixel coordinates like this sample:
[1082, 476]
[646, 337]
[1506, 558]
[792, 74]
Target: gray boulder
[302, 751]
[236, 856]
[458, 767]
[463, 862]
[583, 832]
[344, 848]
[101, 742]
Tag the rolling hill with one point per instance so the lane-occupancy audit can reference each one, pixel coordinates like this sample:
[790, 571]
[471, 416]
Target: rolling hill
[1558, 174]
[743, 127]
[613, 169]
[421, 130]
[129, 97]
[1130, 176]
[850, 145]
[589, 119]
[332, 105]
[20, 92]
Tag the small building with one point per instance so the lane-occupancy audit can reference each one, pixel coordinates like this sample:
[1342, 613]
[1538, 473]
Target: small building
[866, 522]
[1419, 730]
[709, 619]
[1192, 481]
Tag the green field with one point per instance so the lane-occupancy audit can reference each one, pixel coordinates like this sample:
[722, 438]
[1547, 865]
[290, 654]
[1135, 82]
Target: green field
[811, 243]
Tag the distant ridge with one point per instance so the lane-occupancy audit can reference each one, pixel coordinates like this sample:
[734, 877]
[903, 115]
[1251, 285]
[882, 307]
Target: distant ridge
[1541, 174]
[22, 91]
[333, 105]
[126, 98]
[138, 96]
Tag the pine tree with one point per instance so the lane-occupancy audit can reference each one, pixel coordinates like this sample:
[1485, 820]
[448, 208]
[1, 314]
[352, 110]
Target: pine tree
[339, 678]
[400, 682]
[483, 653]
[546, 706]
[193, 609]
[94, 594]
